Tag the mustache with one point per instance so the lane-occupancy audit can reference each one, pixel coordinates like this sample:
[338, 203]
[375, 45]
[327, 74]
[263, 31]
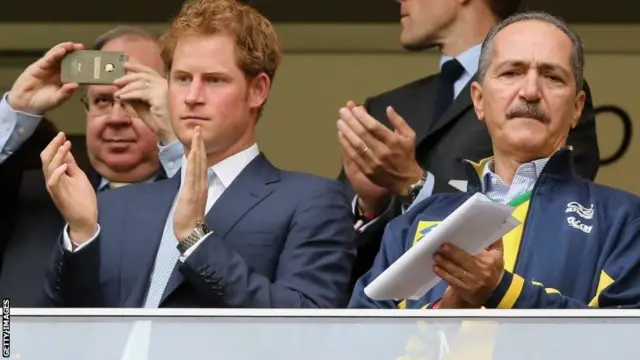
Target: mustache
[527, 109]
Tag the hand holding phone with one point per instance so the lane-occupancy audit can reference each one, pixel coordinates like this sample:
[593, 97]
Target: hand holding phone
[39, 89]
[147, 92]
[93, 67]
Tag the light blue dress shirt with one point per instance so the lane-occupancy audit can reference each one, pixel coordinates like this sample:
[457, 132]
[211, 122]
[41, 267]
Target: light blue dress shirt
[16, 127]
[523, 181]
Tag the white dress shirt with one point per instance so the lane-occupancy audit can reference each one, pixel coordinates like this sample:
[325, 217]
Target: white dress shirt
[226, 171]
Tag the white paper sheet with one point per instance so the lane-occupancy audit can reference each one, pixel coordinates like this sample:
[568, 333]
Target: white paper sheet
[472, 227]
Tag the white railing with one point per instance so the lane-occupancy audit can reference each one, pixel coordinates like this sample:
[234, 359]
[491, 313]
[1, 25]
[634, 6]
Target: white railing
[325, 313]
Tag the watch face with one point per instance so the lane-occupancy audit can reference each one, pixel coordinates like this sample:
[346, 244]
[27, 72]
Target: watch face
[204, 228]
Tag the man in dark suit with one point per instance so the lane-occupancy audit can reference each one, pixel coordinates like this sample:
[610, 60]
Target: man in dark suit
[231, 230]
[390, 163]
[123, 147]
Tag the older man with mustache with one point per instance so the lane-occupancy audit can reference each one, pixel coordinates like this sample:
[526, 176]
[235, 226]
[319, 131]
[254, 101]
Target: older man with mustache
[579, 242]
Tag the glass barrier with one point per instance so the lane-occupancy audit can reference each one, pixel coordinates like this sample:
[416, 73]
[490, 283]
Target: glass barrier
[176, 334]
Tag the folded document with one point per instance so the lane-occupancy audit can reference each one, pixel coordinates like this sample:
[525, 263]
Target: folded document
[472, 227]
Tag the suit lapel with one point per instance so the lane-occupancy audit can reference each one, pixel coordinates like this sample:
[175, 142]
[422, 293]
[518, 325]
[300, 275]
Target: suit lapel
[250, 187]
[94, 178]
[461, 103]
[144, 235]
[418, 109]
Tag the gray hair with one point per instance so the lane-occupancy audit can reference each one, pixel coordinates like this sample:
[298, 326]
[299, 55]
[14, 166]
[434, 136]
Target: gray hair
[122, 31]
[577, 55]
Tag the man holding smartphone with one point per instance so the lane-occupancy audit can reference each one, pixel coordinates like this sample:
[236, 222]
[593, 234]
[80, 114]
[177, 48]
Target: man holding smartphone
[127, 141]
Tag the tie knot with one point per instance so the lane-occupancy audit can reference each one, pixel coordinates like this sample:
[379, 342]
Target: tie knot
[451, 70]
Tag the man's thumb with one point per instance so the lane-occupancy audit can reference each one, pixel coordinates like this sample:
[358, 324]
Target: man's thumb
[398, 122]
[498, 245]
[65, 92]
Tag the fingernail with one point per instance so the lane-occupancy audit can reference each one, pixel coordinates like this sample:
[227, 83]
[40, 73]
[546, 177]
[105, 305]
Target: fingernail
[445, 247]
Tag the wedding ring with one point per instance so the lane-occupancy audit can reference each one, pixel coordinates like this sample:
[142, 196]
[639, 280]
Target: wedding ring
[364, 151]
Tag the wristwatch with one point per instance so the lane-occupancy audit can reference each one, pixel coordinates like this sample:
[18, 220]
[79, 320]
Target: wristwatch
[414, 189]
[196, 235]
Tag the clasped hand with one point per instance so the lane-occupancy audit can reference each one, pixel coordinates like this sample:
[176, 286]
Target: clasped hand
[471, 278]
[378, 161]
[192, 200]
[70, 189]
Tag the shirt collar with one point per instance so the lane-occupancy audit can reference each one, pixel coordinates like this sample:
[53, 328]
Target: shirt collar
[532, 167]
[468, 59]
[104, 182]
[228, 169]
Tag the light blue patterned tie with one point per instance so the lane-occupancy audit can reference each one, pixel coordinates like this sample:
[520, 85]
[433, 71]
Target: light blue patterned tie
[166, 258]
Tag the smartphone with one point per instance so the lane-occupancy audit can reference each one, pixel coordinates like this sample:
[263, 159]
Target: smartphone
[92, 67]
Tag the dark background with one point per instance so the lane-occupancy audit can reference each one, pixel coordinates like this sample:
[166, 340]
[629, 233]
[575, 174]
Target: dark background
[573, 11]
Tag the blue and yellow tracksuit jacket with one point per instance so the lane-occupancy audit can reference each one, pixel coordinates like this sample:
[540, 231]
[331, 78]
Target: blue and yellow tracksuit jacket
[578, 245]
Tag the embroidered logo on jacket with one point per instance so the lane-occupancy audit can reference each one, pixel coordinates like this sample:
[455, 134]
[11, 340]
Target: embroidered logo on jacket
[583, 212]
[577, 224]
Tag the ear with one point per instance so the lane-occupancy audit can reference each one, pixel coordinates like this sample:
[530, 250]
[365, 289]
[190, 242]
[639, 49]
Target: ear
[476, 98]
[579, 105]
[259, 89]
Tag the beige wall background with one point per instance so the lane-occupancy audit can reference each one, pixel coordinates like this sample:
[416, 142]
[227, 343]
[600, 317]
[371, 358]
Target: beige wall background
[326, 64]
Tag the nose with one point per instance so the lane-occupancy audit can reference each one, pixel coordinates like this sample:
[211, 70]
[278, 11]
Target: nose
[530, 90]
[196, 93]
[118, 115]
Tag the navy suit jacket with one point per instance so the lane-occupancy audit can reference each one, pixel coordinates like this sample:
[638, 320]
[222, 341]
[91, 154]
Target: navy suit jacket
[280, 240]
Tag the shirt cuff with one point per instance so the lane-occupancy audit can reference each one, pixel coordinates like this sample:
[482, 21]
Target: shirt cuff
[15, 127]
[171, 157]
[190, 250]
[360, 225]
[67, 243]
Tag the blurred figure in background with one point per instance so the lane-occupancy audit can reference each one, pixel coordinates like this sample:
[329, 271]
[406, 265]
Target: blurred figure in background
[128, 136]
[25, 159]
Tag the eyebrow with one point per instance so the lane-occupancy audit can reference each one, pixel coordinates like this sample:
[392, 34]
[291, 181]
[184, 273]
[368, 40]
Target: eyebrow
[541, 66]
[214, 72]
[101, 93]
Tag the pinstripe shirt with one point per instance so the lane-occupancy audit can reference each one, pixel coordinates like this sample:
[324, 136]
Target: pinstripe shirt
[524, 180]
